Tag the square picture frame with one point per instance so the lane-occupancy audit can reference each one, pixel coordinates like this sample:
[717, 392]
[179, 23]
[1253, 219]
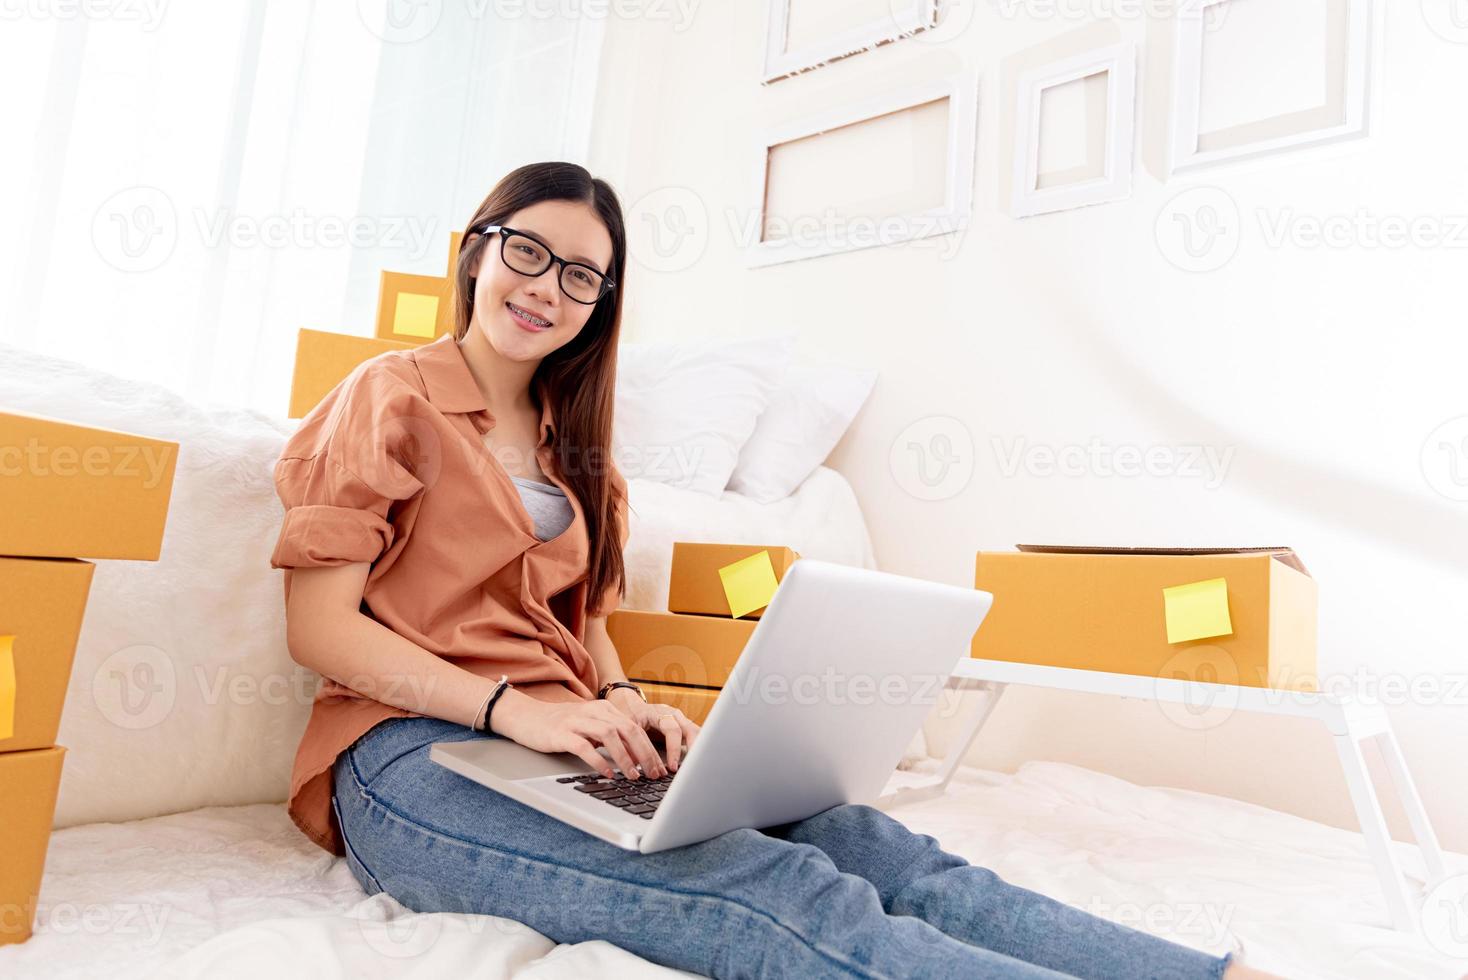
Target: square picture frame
[1311, 127]
[1119, 63]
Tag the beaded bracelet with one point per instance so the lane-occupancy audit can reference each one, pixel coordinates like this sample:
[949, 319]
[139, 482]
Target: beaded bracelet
[494, 696]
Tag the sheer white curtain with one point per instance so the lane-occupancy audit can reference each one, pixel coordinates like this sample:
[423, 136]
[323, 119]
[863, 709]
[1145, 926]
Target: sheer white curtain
[188, 184]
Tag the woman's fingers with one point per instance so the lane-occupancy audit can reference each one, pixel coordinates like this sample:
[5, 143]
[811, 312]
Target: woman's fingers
[640, 745]
[609, 734]
[587, 753]
[672, 738]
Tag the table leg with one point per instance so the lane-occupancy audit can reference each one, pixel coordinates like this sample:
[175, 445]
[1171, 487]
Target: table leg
[988, 696]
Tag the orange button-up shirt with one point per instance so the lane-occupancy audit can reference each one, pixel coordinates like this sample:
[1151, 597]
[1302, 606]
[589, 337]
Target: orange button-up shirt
[392, 468]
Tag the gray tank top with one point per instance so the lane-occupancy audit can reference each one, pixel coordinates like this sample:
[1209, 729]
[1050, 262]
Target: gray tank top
[547, 505]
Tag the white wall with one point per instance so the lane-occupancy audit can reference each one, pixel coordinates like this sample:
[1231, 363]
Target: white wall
[1320, 373]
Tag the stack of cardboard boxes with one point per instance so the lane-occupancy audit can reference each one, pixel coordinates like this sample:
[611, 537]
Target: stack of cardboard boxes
[65, 490]
[684, 656]
[412, 310]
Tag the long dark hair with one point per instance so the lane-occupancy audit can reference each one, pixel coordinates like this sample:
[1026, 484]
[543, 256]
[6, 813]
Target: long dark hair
[580, 377]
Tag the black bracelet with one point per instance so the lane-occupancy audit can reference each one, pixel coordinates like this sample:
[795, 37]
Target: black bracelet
[484, 722]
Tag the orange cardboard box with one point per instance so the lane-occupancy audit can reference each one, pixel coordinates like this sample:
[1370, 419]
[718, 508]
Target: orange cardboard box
[76, 491]
[695, 585]
[674, 648]
[694, 702]
[44, 602]
[29, 780]
[1104, 609]
[324, 359]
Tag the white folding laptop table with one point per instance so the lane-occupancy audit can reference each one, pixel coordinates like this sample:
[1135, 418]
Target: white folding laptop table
[1350, 718]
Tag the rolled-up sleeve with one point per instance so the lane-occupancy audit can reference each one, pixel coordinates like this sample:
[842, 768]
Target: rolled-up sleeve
[331, 518]
[338, 479]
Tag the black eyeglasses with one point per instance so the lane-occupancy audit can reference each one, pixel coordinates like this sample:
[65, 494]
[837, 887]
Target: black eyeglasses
[530, 257]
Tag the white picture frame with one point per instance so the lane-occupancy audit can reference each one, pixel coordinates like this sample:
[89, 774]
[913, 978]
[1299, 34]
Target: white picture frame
[961, 91]
[1119, 63]
[1354, 51]
[907, 17]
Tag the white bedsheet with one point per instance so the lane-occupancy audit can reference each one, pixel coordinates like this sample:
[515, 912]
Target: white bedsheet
[237, 891]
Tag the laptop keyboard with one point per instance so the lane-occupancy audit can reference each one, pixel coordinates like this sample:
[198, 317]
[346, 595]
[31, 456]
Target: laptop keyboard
[639, 796]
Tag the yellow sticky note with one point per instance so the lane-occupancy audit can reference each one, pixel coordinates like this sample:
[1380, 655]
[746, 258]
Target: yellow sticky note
[415, 315]
[1197, 610]
[7, 686]
[749, 583]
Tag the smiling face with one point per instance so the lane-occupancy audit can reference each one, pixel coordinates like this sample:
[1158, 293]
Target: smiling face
[572, 231]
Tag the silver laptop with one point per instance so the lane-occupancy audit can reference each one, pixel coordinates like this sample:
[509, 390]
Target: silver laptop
[838, 675]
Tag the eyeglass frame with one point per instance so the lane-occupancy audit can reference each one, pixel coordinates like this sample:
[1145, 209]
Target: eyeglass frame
[608, 283]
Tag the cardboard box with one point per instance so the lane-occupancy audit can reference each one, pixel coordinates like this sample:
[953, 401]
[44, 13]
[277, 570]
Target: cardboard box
[674, 648]
[695, 585]
[76, 491]
[414, 308]
[1103, 609]
[324, 359]
[29, 781]
[44, 602]
[694, 702]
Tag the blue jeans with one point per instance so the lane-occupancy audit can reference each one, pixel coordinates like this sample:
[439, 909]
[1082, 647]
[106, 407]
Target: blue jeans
[848, 892]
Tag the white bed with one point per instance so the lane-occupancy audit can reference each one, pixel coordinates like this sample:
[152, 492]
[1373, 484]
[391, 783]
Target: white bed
[174, 855]
[238, 892]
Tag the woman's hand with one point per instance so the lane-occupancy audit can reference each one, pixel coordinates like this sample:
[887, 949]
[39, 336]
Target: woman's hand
[578, 727]
[666, 720]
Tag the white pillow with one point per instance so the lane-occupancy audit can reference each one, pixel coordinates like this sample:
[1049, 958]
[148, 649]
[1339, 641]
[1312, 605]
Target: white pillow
[806, 417]
[684, 410]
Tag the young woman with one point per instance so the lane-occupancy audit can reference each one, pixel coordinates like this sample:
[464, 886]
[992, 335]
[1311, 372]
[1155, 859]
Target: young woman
[452, 545]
